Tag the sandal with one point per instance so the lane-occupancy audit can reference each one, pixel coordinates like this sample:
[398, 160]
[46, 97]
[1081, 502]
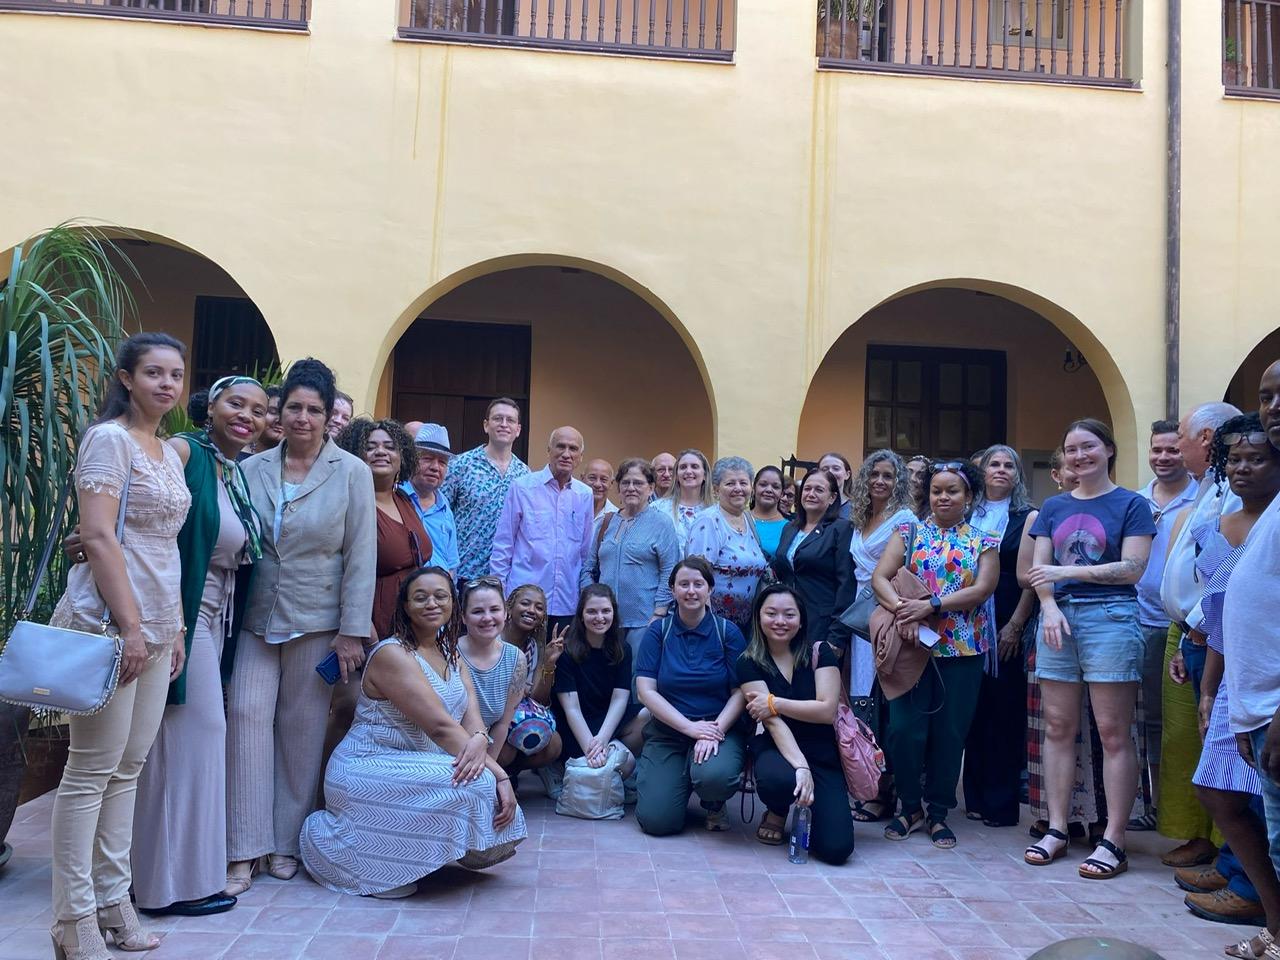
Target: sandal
[240, 876]
[770, 834]
[121, 921]
[870, 811]
[903, 826]
[1244, 949]
[940, 835]
[1039, 855]
[1104, 870]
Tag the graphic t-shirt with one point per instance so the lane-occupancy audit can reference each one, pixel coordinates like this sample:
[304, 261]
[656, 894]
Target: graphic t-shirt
[1088, 533]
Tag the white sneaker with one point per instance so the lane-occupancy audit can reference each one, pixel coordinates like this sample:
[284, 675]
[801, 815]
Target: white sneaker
[552, 777]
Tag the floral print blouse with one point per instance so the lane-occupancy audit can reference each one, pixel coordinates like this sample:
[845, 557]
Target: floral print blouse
[737, 560]
[947, 562]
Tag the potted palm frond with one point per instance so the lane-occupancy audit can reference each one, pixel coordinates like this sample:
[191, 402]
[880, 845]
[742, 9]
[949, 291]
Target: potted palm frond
[62, 307]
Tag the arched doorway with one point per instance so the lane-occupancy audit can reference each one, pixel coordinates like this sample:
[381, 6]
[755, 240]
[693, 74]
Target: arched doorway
[1243, 389]
[571, 345]
[947, 371]
[187, 295]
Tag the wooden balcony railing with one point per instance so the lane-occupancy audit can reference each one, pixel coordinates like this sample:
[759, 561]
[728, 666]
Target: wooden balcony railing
[1251, 43]
[687, 29]
[271, 14]
[1068, 41]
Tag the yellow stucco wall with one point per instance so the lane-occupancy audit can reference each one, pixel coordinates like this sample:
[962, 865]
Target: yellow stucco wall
[346, 181]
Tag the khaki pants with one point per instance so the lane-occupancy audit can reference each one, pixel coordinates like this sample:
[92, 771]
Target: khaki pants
[277, 713]
[92, 825]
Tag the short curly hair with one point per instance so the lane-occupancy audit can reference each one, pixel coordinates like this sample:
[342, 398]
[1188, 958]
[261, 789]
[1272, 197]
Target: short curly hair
[971, 475]
[356, 434]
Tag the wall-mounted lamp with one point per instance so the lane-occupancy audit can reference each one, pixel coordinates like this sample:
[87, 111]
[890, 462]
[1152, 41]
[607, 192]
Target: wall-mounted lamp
[1073, 360]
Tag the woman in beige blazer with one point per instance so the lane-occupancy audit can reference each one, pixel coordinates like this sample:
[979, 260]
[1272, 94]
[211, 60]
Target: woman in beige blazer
[312, 593]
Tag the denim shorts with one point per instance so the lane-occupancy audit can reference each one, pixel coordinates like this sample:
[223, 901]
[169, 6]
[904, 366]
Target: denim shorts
[1106, 644]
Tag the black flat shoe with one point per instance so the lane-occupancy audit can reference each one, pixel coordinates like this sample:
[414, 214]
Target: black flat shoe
[216, 903]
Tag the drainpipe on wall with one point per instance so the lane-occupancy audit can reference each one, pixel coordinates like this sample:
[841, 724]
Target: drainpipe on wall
[1173, 214]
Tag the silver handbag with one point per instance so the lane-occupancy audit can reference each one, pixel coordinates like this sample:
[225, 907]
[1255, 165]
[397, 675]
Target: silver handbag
[53, 669]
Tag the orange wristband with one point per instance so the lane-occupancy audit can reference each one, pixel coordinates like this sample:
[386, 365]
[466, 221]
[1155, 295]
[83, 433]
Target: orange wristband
[773, 711]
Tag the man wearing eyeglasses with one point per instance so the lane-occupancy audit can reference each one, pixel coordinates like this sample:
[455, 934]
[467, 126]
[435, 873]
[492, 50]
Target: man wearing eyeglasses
[1172, 489]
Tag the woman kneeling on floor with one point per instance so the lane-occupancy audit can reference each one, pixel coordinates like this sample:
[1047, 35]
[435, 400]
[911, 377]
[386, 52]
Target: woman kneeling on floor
[685, 676]
[796, 758]
[412, 788]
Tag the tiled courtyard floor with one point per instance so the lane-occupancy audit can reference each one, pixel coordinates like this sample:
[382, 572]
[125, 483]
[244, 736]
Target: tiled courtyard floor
[603, 891]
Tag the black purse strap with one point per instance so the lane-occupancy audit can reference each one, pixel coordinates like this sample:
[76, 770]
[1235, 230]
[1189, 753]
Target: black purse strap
[46, 555]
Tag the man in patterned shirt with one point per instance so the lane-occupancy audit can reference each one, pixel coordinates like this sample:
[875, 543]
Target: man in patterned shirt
[477, 484]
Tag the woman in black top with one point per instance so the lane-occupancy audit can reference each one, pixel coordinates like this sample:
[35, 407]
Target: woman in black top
[996, 750]
[593, 684]
[796, 758]
[813, 559]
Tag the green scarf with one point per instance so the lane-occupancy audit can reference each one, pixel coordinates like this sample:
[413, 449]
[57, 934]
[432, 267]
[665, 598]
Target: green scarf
[206, 468]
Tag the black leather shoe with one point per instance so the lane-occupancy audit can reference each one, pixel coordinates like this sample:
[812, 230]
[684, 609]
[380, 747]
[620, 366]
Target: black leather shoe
[217, 903]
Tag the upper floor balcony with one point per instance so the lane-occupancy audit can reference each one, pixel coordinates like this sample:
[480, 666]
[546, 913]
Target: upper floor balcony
[267, 14]
[1250, 44]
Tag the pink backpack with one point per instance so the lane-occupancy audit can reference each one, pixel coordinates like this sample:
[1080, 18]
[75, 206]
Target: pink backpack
[860, 755]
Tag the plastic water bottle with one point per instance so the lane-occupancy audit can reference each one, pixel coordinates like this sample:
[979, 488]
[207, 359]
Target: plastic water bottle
[800, 825]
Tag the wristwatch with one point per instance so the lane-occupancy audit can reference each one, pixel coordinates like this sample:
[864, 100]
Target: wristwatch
[936, 603]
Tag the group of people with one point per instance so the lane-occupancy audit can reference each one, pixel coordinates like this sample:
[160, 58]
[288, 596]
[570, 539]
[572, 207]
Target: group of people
[398, 632]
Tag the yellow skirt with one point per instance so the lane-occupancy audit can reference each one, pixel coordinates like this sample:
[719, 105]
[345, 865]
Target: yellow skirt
[1179, 813]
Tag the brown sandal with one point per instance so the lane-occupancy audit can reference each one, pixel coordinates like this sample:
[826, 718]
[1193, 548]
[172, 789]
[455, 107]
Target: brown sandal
[1038, 855]
[768, 834]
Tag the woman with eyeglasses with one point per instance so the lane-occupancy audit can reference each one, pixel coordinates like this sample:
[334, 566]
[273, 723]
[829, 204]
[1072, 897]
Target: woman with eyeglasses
[686, 677]
[1091, 549]
[787, 498]
[997, 744]
[412, 787]
[634, 552]
[311, 595]
[959, 566]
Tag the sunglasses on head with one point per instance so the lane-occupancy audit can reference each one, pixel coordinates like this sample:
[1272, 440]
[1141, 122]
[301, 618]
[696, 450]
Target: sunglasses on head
[1253, 439]
[948, 466]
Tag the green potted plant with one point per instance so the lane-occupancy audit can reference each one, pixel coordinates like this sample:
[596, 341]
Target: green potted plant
[1230, 66]
[62, 308]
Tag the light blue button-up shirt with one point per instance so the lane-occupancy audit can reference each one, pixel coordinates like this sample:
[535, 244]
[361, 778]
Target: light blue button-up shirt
[1150, 607]
[438, 522]
[543, 537]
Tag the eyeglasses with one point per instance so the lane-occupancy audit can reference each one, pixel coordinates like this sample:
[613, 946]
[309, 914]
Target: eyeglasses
[632, 484]
[947, 467]
[1253, 439]
[503, 418]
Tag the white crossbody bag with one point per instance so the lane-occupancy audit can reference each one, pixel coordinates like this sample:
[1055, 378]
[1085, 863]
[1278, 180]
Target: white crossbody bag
[53, 669]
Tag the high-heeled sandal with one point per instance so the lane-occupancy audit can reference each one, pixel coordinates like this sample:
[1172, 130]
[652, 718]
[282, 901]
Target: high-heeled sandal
[78, 940]
[282, 866]
[240, 876]
[121, 921]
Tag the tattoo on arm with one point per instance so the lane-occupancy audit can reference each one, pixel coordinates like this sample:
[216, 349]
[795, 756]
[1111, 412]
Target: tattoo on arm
[1122, 571]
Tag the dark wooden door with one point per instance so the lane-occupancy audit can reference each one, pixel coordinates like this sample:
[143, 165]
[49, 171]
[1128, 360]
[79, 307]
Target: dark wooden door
[230, 336]
[447, 371]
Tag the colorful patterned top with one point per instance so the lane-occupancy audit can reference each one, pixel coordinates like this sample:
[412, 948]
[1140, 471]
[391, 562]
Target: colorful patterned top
[737, 560]
[475, 492]
[947, 562]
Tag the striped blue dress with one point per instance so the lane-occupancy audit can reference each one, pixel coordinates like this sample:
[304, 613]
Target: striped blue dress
[1221, 766]
[393, 814]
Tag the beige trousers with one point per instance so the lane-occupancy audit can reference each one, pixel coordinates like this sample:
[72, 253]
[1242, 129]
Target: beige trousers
[277, 712]
[92, 825]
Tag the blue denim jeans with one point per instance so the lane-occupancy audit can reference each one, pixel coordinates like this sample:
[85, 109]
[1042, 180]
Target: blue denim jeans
[1270, 795]
[1230, 867]
[1194, 656]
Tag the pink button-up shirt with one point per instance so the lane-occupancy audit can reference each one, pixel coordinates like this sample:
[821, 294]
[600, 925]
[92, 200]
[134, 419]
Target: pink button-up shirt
[544, 538]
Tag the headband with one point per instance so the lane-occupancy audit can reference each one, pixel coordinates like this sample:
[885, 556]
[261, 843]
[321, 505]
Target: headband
[225, 382]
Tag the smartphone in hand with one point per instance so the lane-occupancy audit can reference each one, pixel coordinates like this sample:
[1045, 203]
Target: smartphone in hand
[328, 668]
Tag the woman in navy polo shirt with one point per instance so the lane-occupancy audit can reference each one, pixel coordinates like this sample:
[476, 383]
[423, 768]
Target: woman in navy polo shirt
[685, 675]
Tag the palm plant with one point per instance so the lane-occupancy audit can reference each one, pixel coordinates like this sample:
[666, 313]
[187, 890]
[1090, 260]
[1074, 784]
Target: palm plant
[851, 16]
[62, 310]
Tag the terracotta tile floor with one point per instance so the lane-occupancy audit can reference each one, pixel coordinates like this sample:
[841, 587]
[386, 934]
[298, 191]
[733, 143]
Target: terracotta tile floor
[603, 891]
